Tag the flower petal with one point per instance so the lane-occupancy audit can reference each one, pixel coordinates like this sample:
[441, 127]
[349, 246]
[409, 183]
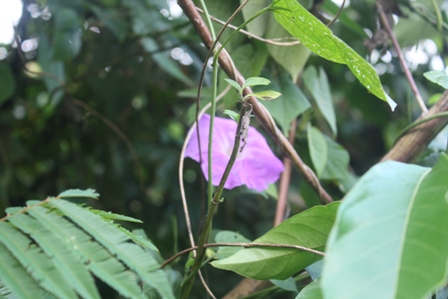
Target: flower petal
[256, 166]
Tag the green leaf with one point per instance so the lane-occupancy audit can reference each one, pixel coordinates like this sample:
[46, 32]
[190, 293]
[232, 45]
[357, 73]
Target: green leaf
[55, 68]
[61, 254]
[35, 261]
[318, 149]
[318, 38]
[232, 114]
[16, 278]
[113, 216]
[344, 18]
[229, 237]
[8, 84]
[111, 18]
[311, 291]
[266, 95]
[257, 26]
[115, 241]
[255, 81]
[99, 261]
[67, 36]
[337, 161]
[78, 193]
[250, 59]
[164, 61]
[309, 229]
[234, 84]
[291, 104]
[438, 77]
[389, 239]
[317, 84]
[291, 58]
[287, 284]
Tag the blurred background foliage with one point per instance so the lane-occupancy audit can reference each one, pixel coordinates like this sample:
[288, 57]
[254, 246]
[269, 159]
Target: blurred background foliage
[109, 93]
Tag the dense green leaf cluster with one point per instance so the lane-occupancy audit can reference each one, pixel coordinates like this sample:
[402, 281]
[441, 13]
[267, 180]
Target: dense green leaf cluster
[57, 247]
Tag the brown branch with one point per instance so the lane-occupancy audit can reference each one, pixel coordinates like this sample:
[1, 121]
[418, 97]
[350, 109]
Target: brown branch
[284, 181]
[259, 111]
[408, 74]
[409, 147]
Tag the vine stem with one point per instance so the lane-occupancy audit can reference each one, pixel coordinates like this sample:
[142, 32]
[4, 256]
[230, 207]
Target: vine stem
[407, 73]
[204, 236]
[245, 245]
[262, 115]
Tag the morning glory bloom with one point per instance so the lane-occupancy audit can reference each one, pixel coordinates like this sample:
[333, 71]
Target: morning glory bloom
[256, 166]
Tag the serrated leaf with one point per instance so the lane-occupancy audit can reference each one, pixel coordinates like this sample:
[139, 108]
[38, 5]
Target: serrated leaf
[77, 193]
[311, 291]
[234, 84]
[38, 264]
[318, 149]
[99, 261]
[291, 104]
[16, 278]
[389, 239]
[255, 81]
[318, 38]
[309, 229]
[115, 241]
[317, 83]
[113, 216]
[228, 237]
[64, 259]
[438, 77]
[266, 95]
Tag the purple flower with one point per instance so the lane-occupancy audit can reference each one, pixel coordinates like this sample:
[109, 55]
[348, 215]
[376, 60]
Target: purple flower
[256, 166]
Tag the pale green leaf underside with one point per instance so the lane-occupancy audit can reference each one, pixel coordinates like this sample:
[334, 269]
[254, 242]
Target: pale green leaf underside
[390, 239]
[318, 149]
[311, 291]
[309, 229]
[438, 77]
[317, 83]
[320, 39]
[74, 193]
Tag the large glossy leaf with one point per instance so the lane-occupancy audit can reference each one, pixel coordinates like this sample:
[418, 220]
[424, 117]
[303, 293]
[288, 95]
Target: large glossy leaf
[317, 83]
[390, 238]
[318, 38]
[309, 229]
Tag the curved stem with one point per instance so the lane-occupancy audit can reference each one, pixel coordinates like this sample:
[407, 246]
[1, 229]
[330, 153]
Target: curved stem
[203, 238]
[245, 245]
[407, 73]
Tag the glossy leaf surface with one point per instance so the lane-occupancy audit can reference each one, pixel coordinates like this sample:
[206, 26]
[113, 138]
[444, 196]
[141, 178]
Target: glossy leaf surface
[309, 229]
[390, 238]
[318, 38]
